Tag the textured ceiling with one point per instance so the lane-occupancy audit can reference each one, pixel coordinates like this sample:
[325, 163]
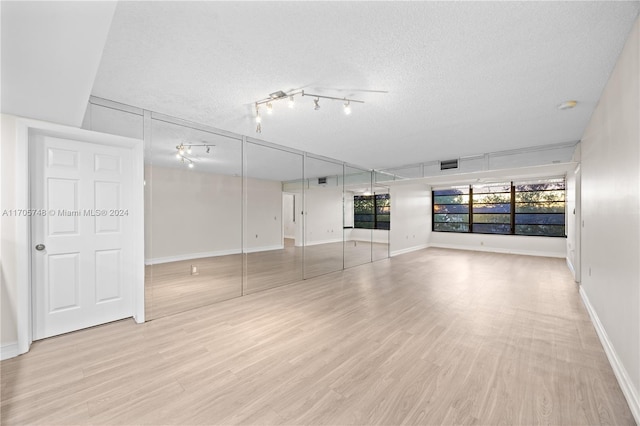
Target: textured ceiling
[440, 79]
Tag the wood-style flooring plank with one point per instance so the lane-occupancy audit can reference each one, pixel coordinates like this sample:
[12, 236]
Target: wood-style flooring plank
[431, 337]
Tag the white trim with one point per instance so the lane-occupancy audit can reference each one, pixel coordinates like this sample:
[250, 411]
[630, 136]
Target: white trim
[24, 127]
[315, 243]
[9, 350]
[629, 391]
[571, 268]
[498, 250]
[23, 239]
[264, 248]
[409, 250]
[202, 255]
[189, 256]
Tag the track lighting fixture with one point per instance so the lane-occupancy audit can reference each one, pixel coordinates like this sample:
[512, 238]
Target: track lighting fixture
[280, 95]
[182, 152]
[347, 108]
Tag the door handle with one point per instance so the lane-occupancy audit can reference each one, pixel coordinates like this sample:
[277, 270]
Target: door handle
[40, 247]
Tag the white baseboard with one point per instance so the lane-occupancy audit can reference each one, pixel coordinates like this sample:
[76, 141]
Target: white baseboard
[315, 243]
[9, 350]
[265, 248]
[409, 250]
[190, 256]
[498, 250]
[571, 268]
[629, 391]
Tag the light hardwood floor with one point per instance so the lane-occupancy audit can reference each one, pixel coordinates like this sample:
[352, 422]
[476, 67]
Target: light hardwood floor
[170, 288]
[431, 337]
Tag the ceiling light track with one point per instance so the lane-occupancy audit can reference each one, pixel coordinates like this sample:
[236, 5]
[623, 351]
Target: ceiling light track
[183, 151]
[290, 97]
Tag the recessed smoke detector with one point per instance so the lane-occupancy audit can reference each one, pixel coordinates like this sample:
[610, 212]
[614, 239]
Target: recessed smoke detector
[567, 105]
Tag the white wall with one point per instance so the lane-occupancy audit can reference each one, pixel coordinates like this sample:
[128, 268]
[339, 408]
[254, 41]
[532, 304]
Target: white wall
[410, 217]
[610, 275]
[288, 215]
[8, 248]
[348, 208]
[359, 234]
[264, 215]
[189, 214]
[515, 244]
[323, 215]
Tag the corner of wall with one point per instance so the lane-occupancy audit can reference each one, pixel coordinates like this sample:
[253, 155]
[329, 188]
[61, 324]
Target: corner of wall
[622, 375]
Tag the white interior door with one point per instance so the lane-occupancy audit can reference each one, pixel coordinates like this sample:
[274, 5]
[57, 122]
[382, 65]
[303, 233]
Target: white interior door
[82, 200]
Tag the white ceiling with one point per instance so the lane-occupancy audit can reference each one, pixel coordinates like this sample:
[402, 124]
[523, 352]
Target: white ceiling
[440, 79]
[50, 56]
[462, 78]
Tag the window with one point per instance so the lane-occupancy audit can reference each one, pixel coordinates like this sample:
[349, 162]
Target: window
[451, 210]
[372, 211]
[491, 209]
[540, 208]
[521, 208]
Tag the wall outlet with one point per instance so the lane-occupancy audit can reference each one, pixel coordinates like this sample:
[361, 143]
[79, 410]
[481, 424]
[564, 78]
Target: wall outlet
[194, 270]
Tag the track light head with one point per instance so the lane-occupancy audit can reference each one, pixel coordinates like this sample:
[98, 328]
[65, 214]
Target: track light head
[258, 128]
[291, 103]
[347, 108]
[316, 104]
[208, 149]
[277, 95]
[269, 108]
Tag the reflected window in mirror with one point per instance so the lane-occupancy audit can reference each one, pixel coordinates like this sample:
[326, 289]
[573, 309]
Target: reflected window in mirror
[372, 211]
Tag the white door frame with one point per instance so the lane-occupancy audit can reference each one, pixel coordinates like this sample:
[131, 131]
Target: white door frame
[25, 128]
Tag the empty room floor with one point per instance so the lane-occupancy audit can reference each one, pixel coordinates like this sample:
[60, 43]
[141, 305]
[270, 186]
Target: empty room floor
[431, 337]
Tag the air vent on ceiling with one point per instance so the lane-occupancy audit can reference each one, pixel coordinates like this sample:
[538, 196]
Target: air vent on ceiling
[322, 181]
[449, 164]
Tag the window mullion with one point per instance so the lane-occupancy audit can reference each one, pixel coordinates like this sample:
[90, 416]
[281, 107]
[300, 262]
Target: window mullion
[513, 209]
[375, 211]
[470, 209]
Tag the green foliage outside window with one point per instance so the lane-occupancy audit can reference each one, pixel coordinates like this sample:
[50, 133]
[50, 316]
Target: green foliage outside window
[372, 211]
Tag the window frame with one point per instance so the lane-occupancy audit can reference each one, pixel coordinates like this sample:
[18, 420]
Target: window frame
[512, 213]
[375, 214]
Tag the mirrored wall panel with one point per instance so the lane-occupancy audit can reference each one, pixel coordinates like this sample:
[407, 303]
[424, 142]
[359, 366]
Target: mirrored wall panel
[358, 216]
[381, 199]
[193, 218]
[323, 217]
[227, 215]
[273, 224]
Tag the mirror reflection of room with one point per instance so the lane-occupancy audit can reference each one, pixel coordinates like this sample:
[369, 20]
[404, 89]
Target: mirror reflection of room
[273, 236]
[227, 215]
[193, 215]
